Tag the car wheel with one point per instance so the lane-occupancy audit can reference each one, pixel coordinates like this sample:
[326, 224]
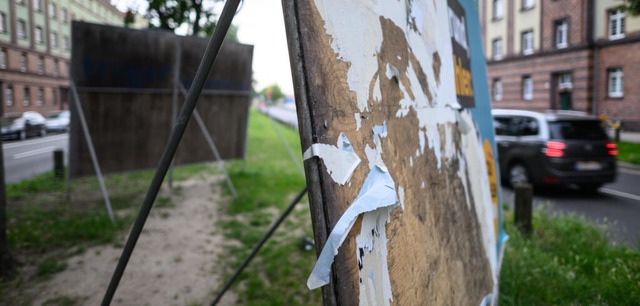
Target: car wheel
[518, 175]
[23, 135]
[592, 187]
[43, 131]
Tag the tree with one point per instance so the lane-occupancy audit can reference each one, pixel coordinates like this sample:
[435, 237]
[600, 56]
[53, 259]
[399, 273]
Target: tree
[198, 15]
[272, 93]
[633, 7]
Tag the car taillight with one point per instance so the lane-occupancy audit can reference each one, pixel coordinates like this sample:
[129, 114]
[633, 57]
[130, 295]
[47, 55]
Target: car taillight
[613, 148]
[555, 148]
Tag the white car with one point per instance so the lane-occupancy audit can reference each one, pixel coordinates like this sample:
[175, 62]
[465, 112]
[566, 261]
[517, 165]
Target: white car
[58, 121]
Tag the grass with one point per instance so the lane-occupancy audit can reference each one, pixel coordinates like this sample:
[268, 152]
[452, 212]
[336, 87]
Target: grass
[629, 152]
[567, 261]
[266, 184]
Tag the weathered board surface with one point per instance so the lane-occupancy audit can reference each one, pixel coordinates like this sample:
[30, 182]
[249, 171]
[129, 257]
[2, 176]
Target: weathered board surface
[125, 80]
[401, 86]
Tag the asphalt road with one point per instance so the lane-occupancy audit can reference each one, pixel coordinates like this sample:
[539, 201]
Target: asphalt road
[27, 158]
[617, 204]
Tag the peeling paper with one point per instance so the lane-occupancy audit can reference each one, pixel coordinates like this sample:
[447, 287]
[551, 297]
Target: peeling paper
[487, 300]
[371, 252]
[340, 160]
[377, 191]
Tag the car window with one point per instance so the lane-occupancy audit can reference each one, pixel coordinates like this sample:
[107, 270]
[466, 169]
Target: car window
[528, 126]
[516, 126]
[577, 130]
[501, 125]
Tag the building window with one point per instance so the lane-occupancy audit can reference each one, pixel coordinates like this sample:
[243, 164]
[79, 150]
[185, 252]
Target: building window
[497, 90]
[9, 92]
[23, 62]
[54, 39]
[616, 24]
[26, 100]
[616, 79]
[527, 88]
[497, 9]
[562, 34]
[37, 33]
[54, 96]
[65, 16]
[22, 29]
[565, 81]
[497, 49]
[40, 100]
[41, 64]
[527, 42]
[3, 22]
[3, 58]
[53, 14]
[56, 68]
[65, 43]
[528, 4]
[20, 1]
[37, 5]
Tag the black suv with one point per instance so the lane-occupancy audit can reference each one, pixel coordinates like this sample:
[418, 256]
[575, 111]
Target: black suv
[555, 147]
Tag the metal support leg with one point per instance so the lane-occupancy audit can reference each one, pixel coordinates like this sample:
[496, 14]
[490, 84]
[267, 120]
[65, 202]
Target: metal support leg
[259, 245]
[92, 151]
[174, 105]
[212, 146]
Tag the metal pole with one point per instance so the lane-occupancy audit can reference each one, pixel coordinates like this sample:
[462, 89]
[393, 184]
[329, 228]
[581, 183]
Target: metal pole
[212, 146]
[92, 151]
[174, 105]
[208, 59]
[259, 245]
[58, 164]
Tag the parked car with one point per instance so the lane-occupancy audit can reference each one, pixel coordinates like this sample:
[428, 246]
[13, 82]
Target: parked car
[555, 147]
[22, 125]
[58, 121]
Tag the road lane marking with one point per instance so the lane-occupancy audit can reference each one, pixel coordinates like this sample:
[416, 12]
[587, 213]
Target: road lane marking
[620, 194]
[34, 152]
[35, 141]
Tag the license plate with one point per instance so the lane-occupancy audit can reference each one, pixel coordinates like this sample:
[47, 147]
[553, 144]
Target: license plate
[588, 165]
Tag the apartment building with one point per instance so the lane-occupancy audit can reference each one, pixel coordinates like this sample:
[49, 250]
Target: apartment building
[563, 54]
[35, 47]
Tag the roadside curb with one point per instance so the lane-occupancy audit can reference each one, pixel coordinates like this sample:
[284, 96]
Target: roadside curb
[628, 166]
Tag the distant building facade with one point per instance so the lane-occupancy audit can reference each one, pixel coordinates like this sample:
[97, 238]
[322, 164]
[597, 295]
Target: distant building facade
[563, 54]
[35, 47]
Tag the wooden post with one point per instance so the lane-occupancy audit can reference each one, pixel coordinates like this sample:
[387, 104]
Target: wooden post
[524, 199]
[58, 164]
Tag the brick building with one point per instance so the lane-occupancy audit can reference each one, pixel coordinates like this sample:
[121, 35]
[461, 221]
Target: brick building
[35, 46]
[563, 54]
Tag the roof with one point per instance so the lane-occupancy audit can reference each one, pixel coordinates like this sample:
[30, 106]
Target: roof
[551, 115]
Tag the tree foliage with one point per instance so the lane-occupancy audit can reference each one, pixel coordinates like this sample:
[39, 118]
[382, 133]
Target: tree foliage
[272, 93]
[633, 7]
[199, 16]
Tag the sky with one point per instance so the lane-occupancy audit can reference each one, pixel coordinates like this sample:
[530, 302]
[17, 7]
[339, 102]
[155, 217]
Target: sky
[261, 24]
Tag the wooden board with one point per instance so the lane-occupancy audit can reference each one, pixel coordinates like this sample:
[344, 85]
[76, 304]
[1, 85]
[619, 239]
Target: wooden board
[117, 70]
[361, 68]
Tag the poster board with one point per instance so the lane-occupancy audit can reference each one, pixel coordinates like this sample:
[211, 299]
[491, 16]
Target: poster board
[125, 80]
[395, 124]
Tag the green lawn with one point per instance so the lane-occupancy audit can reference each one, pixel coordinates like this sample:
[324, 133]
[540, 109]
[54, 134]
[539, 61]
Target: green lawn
[266, 184]
[567, 261]
[629, 152]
